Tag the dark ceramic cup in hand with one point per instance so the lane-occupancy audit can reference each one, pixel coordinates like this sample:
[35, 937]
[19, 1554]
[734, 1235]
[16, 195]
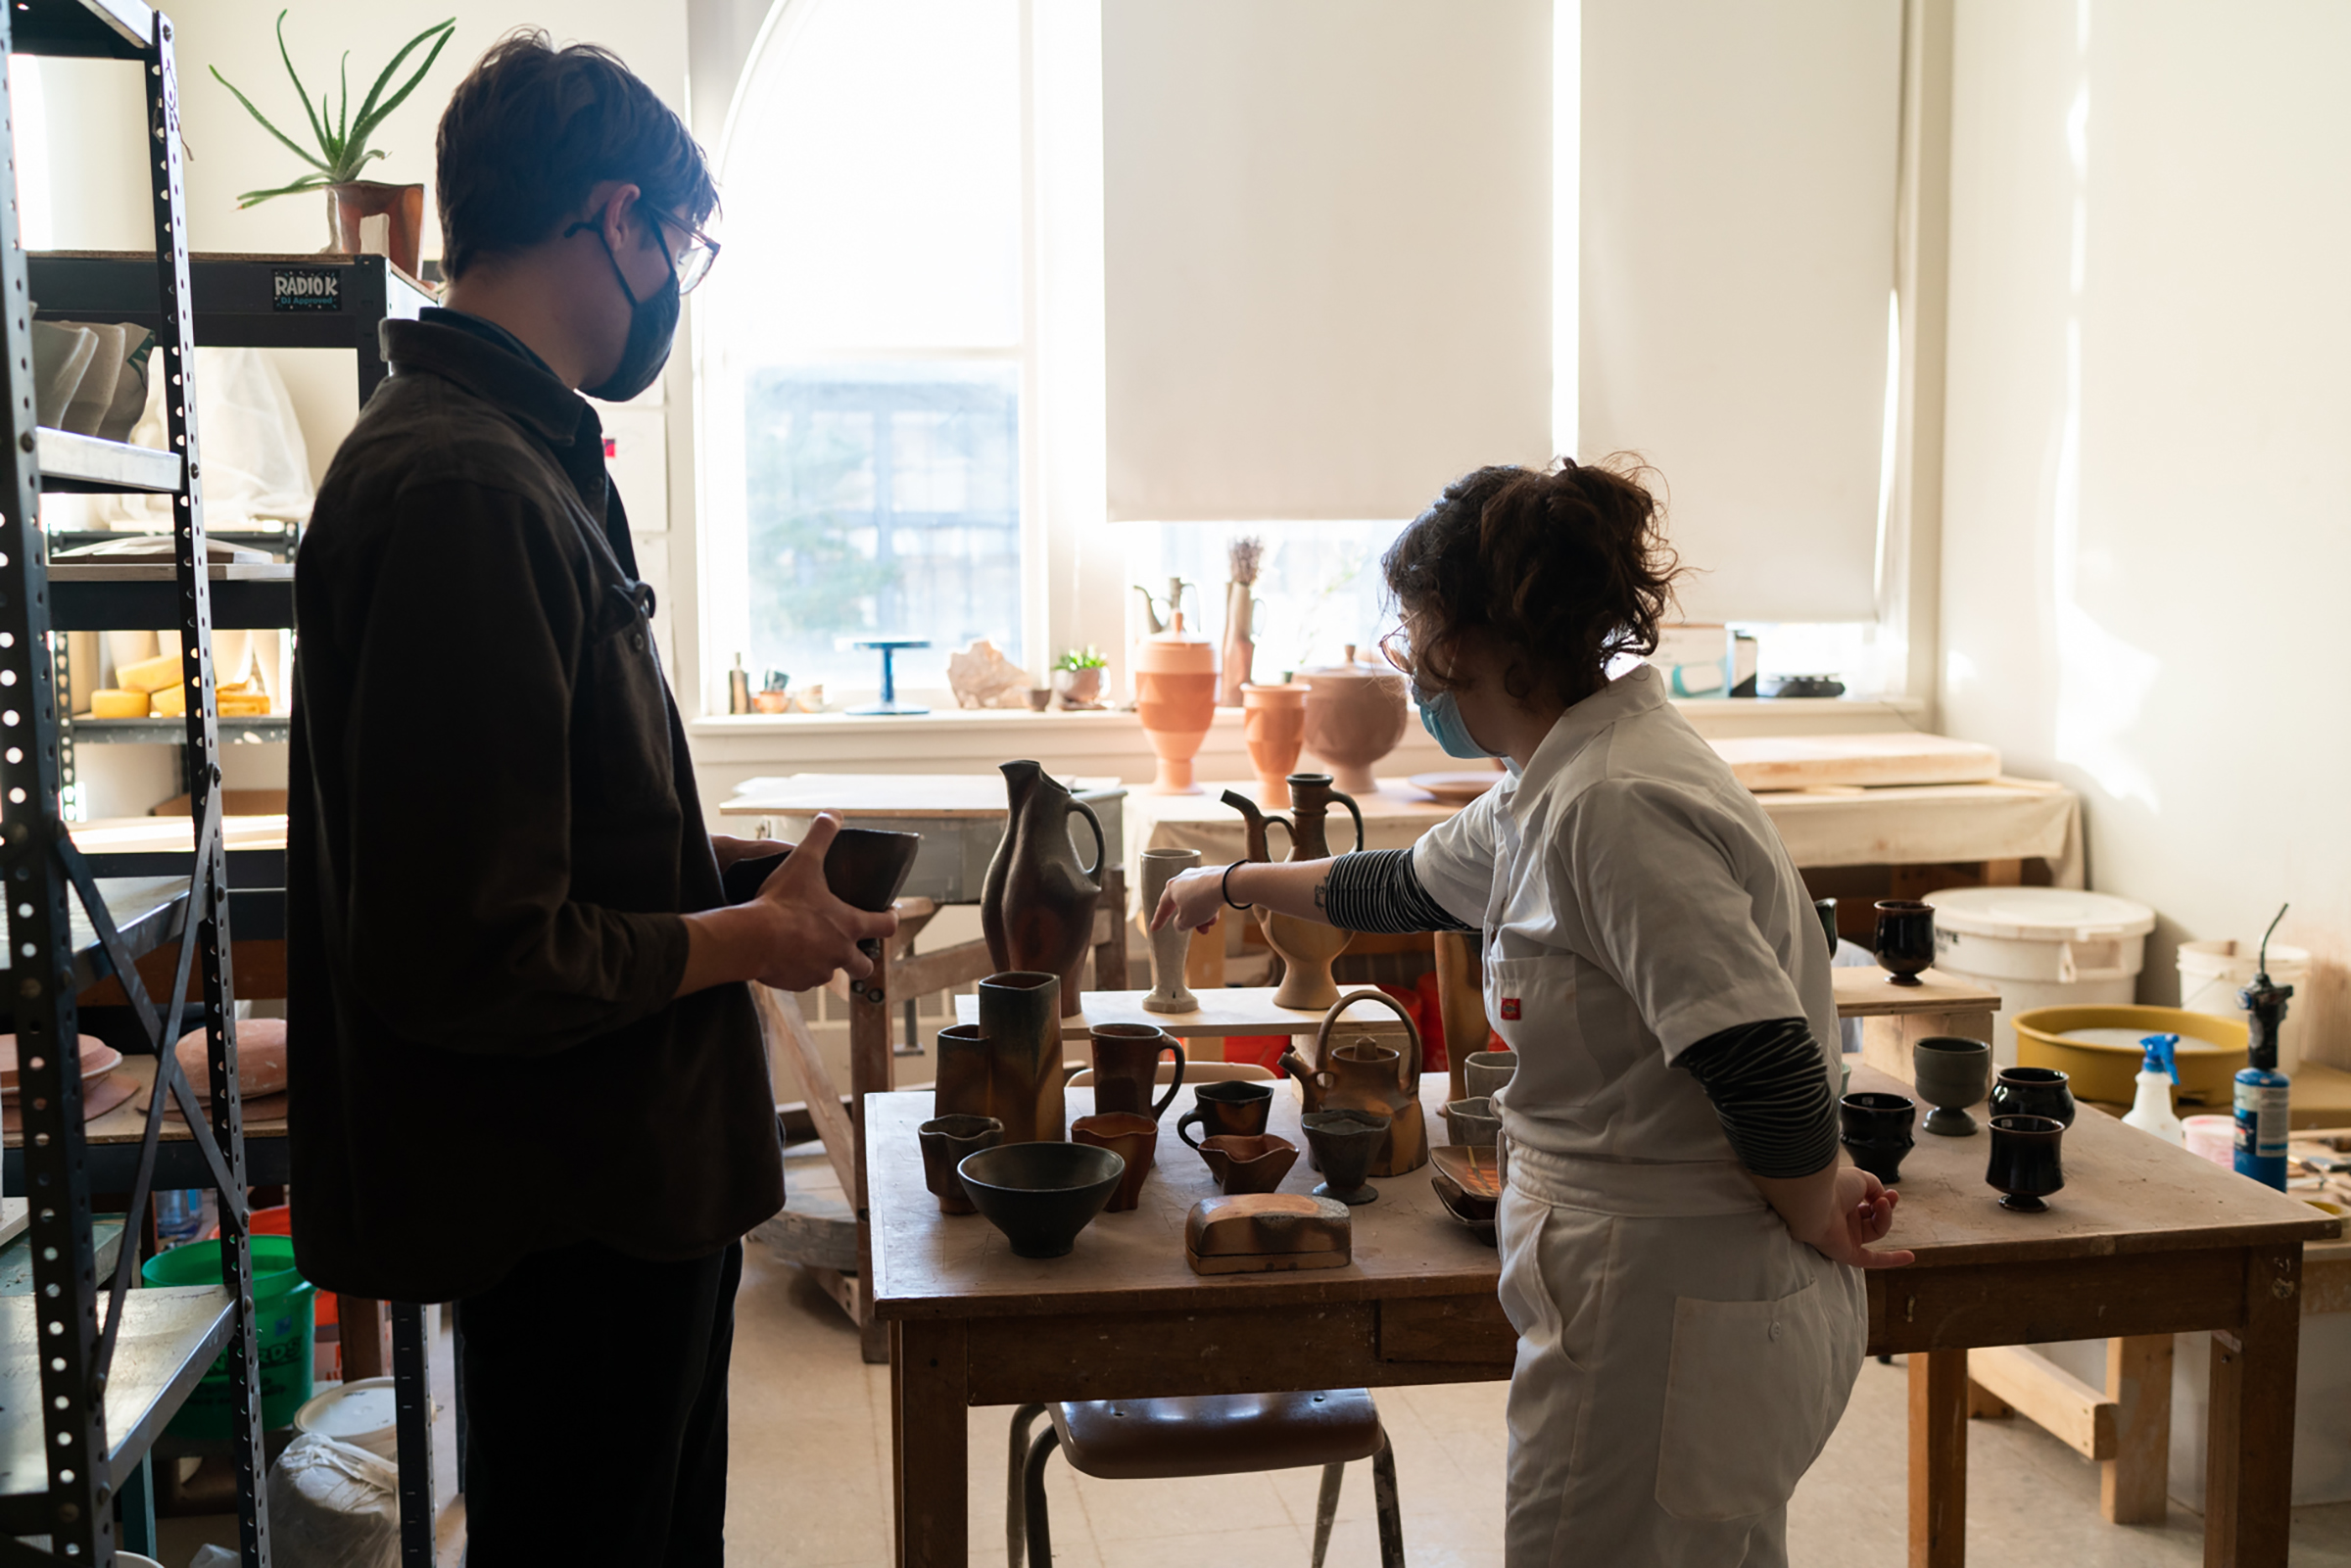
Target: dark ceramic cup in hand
[1875, 1129]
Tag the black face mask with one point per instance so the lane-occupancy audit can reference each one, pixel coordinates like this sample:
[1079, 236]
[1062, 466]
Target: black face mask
[652, 328]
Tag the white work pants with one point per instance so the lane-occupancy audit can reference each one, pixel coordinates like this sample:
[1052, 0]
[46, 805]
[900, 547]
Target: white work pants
[1682, 1360]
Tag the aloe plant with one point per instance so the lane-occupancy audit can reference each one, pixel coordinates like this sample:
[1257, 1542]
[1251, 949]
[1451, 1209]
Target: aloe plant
[343, 150]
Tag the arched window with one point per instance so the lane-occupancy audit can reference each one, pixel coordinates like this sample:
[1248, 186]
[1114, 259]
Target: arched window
[863, 349]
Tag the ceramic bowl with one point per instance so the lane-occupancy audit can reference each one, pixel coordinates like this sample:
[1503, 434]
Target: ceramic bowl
[1484, 1071]
[1473, 1123]
[1042, 1195]
[1248, 1162]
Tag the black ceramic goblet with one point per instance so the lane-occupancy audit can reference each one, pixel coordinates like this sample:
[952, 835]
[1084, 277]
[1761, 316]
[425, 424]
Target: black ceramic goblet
[2024, 1162]
[1906, 938]
[2032, 1092]
[1875, 1129]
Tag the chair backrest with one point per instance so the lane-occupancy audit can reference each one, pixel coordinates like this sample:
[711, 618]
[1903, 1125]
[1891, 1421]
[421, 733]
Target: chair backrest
[1193, 1073]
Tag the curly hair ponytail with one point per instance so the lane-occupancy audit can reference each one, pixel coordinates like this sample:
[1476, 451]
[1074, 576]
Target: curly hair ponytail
[1566, 569]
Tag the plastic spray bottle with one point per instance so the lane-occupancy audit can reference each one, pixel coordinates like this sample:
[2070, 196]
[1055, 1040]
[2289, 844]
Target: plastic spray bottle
[2260, 1089]
[2151, 1112]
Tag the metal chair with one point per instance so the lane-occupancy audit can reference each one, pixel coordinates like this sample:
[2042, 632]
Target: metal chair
[1229, 1433]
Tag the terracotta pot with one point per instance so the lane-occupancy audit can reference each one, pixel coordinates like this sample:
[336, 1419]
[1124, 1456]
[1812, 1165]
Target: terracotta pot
[349, 205]
[1133, 1138]
[1273, 725]
[1355, 714]
[1037, 905]
[1176, 697]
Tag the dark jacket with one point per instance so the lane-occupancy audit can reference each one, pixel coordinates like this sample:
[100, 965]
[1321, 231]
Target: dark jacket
[494, 832]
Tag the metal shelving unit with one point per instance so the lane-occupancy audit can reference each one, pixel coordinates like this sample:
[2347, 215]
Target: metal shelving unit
[90, 1370]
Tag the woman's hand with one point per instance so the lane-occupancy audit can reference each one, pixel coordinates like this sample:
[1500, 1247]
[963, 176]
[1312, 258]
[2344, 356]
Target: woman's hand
[1193, 900]
[1837, 1211]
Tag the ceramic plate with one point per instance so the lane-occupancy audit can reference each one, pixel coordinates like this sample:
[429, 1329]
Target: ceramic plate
[1472, 1171]
[1456, 789]
[98, 1058]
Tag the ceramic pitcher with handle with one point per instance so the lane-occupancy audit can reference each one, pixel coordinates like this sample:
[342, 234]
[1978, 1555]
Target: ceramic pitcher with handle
[1308, 947]
[1037, 906]
[1366, 1076]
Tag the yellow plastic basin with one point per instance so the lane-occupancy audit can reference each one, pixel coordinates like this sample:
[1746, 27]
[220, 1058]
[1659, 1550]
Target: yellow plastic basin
[2212, 1049]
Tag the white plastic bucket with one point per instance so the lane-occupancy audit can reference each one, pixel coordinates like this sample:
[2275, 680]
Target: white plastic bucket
[2211, 973]
[2041, 947]
[362, 1414]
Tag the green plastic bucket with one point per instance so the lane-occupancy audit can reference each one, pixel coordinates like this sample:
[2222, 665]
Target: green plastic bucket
[281, 1309]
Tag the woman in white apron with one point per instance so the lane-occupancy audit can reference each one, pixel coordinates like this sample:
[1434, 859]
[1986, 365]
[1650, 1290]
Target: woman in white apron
[1679, 1241]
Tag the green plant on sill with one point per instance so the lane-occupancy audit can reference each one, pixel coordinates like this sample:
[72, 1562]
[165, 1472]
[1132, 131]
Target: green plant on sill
[343, 150]
[1085, 658]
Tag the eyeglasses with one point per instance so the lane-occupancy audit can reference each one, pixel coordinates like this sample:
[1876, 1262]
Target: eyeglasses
[1397, 648]
[695, 256]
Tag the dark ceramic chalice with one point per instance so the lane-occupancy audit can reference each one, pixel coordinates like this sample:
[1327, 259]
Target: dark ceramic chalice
[1906, 938]
[1345, 1144]
[2032, 1092]
[1875, 1129]
[2025, 1165]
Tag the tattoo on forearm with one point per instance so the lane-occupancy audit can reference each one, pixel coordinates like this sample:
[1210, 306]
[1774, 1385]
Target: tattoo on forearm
[1322, 893]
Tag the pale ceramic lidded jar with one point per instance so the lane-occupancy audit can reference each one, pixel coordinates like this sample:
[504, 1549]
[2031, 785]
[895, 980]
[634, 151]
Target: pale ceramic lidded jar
[1176, 697]
[1355, 714]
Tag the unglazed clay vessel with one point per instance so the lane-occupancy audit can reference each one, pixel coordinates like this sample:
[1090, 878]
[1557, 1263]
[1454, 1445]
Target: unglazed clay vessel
[1037, 905]
[1008, 1065]
[1176, 697]
[1133, 1138]
[1355, 714]
[1274, 728]
[1171, 946]
[1308, 947]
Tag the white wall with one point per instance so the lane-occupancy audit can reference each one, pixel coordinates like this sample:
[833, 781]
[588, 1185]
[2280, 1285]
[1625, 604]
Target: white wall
[2146, 529]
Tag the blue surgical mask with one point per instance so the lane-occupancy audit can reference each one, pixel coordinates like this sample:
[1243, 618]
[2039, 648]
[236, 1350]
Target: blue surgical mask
[1441, 717]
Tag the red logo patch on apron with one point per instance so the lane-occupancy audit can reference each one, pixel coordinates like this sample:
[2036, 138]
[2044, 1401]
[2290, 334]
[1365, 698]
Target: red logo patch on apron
[1509, 1009]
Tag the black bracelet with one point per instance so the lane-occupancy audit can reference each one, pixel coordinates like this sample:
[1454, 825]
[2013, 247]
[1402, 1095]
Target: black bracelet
[1225, 886]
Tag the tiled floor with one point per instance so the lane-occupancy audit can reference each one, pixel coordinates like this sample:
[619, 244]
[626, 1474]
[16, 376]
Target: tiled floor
[809, 1479]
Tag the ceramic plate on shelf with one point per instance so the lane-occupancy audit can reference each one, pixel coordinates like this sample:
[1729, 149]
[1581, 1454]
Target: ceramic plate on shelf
[1456, 789]
[98, 1058]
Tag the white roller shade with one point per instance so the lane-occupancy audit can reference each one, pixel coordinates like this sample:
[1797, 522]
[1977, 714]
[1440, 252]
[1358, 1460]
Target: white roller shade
[1328, 252]
[1736, 253]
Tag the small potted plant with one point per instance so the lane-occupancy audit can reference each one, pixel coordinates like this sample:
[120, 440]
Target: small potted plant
[343, 152]
[1078, 677]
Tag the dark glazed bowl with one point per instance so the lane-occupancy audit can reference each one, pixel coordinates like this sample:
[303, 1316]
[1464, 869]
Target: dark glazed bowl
[2032, 1092]
[1042, 1195]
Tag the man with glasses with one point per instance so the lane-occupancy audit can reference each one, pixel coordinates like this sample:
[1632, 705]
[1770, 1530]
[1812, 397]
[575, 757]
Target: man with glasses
[526, 1074]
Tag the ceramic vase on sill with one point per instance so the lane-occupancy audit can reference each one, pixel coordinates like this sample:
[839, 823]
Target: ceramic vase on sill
[1273, 727]
[1355, 714]
[1176, 697]
[349, 207]
[1037, 905]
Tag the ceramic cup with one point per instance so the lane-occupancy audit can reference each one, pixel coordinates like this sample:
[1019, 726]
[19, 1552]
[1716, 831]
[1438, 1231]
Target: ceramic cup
[2032, 1092]
[1951, 1075]
[1906, 938]
[1248, 1162]
[1345, 1145]
[1875, 1129]
[1826, 909]
[1485, 1072]
[1038, 696]
[945, 1142]
[2024, 1165]
[1230, 1108]
[1133, 1138]
[1473, 1123]
[1126, 1067]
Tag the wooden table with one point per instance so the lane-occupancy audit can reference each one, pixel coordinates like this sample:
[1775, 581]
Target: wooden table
[2145, 1239]
[1221, 1013]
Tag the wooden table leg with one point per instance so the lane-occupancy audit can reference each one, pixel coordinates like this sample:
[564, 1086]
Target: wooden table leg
[930, 1435]
[2248, 1478]
[1938, 1458]
[2134, 1487]
[869, 1073]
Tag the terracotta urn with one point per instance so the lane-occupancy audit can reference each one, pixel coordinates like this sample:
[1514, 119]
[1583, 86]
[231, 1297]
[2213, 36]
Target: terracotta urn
[1176, 697]
[1355, 714]
[1273, 725]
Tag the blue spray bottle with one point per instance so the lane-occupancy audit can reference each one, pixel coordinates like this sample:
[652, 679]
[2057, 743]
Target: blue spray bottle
[2260, 1089]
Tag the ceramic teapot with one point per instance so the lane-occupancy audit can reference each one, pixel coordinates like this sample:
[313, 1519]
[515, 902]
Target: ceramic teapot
[1366, 1076]
[1308, 947]
[1037, 906]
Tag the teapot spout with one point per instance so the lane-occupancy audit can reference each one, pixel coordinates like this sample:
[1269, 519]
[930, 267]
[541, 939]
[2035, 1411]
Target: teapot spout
[1298, 1067]
[1254, 823]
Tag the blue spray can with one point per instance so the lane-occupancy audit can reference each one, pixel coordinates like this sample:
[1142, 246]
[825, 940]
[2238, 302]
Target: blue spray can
[2262, 1090]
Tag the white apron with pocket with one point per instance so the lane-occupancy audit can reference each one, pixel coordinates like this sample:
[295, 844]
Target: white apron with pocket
[1682, 1360]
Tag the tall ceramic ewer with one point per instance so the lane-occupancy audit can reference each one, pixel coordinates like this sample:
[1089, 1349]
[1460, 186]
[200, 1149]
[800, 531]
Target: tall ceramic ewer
[1176, 697]
[1273, 727]
[1308, 947]
[1037, 906]
[1169, 947]
[1008, 1065]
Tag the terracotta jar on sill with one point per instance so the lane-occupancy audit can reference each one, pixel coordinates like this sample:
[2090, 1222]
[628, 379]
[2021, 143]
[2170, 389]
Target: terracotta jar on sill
[1355, 714]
